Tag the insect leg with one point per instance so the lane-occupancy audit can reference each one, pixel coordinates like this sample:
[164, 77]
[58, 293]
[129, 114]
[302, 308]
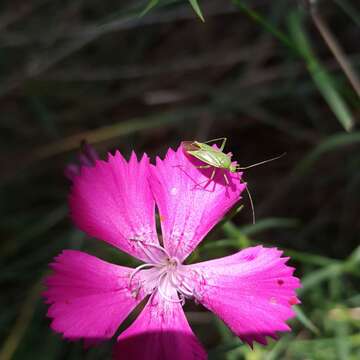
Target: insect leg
[210, 179]
[226, 178]
[213, 174]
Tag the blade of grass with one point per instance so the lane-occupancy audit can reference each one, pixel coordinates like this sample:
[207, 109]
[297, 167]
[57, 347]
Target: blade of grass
[43, 115]
[354, 258]
[321, 78]
[279, 347]
[218, 352]
[330, 144]
[335, 47]
[196, 7]
[151, 4]
[34, 231]
[342, 343]
[242, 241]
[267, 224]
[268, 26]
[298, 346]
[300, 315]
[230, 215]
[314, 278]
[309, 258]
[350, 10]
[22, 322]
[350, 265]
[226, 336]
[102, 134]
[239, 243]
[353, 261]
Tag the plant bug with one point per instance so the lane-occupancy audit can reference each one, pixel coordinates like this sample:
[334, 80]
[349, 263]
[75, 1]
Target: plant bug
[216, 158]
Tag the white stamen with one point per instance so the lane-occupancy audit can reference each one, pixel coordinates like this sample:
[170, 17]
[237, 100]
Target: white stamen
[164, 273]
[148, 253]
[139, 268]
[162, 293]
[159, 248]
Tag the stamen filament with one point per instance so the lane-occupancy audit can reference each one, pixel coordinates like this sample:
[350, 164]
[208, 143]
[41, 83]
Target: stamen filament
[163, 276]
[166, 274]
[139, 268]
[183, 287]
[147, 252]
[159, 248]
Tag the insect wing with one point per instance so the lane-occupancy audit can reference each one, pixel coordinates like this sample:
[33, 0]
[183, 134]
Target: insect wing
[206, 153]
[204, 147]
[210, 157]
[189, 146]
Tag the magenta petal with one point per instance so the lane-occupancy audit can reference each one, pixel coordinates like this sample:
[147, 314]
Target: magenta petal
[112, 201]
[160, 332]
[89, 297]
[190, 205]
[252, 291]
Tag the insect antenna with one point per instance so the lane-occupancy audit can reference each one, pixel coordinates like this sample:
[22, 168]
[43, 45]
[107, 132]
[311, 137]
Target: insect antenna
[251, 204]
[261, 162]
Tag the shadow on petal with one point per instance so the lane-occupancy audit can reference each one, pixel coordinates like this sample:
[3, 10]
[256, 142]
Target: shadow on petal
[159, 345]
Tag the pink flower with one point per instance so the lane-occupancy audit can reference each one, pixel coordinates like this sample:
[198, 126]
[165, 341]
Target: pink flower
[252, 291]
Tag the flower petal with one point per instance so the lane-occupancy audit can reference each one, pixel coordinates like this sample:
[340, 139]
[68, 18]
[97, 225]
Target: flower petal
[189, 203]
[89, 297]
[251, 291]
[160, 332]
[113, 202]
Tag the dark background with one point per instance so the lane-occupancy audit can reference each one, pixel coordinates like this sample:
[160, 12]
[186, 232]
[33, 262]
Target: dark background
[257, 72]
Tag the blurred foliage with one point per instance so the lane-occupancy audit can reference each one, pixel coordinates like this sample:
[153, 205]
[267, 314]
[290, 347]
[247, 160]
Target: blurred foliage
[123, 77]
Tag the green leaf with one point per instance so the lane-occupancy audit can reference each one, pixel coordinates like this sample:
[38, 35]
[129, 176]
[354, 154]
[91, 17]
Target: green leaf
[197, 9]
[151, 4]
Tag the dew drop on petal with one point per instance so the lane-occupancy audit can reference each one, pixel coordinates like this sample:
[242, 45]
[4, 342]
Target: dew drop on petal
[173, 191]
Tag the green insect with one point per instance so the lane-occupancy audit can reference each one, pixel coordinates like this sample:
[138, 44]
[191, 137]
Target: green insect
[216, 158]
[212, 157]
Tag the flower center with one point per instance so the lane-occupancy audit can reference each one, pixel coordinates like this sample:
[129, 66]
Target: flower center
[164, 273]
